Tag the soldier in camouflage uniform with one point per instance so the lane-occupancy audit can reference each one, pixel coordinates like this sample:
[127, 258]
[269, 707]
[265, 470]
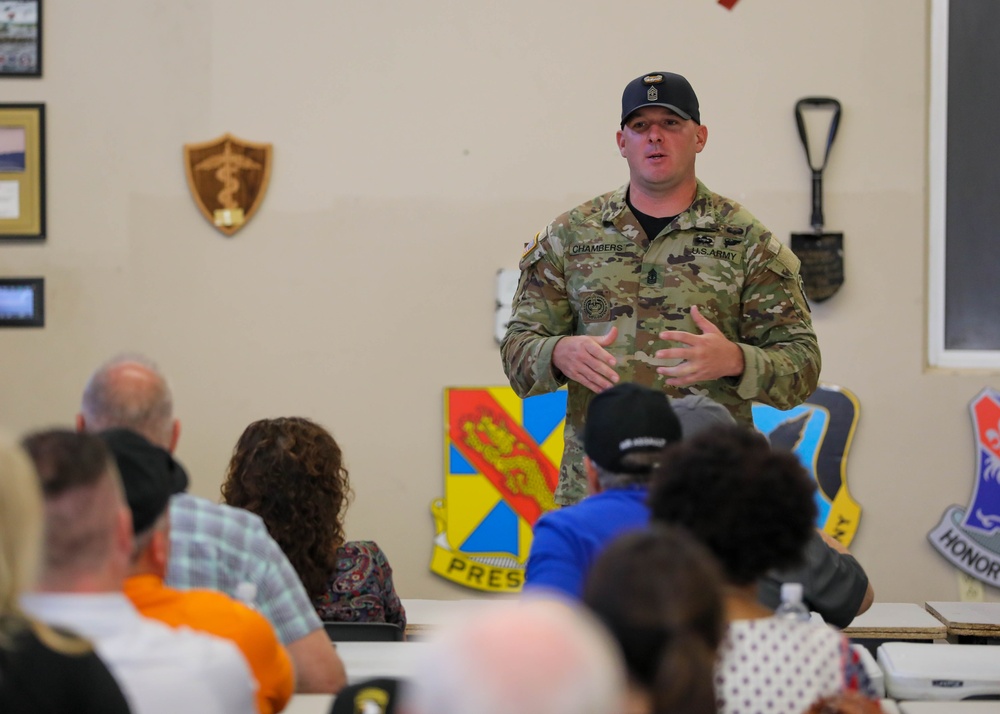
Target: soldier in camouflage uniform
[661, 282]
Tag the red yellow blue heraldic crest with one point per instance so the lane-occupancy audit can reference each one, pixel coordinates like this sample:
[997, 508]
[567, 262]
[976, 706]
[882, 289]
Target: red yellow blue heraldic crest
[501, 469]
[970, 539]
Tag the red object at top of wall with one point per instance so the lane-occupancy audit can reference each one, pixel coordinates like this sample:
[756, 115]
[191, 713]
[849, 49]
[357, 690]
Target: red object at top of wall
[728, 4]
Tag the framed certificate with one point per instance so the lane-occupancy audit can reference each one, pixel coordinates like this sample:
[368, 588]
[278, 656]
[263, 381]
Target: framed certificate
[22, 171]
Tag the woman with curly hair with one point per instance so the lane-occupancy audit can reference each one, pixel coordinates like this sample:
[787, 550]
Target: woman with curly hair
[290, 472]
[754, 509]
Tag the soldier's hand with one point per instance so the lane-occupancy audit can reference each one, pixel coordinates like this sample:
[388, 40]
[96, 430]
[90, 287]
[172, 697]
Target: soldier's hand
[707, 356]
[583, 359]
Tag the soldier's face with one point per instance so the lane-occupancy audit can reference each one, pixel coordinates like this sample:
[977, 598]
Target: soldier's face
[660, 148]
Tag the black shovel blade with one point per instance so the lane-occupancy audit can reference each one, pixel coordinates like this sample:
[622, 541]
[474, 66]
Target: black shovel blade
[822, 256]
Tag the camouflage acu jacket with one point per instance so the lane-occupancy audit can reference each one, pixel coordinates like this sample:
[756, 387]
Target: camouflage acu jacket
[594, 268]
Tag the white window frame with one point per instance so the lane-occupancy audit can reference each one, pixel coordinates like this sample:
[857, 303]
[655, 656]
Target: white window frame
[938, 355]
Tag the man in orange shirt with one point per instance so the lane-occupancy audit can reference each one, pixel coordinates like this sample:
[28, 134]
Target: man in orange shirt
[150, 477]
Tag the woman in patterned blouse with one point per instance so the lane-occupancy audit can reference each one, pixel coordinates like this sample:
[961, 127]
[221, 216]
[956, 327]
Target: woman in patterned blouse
[290, 472]
[754, 508]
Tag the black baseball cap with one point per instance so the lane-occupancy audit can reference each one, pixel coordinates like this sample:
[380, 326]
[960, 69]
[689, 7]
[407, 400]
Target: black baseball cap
[661, 89]
[625, 419]
[150, 476]
[372, 695]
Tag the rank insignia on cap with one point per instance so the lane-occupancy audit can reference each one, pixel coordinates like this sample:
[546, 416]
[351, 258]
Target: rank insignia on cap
[652, 95]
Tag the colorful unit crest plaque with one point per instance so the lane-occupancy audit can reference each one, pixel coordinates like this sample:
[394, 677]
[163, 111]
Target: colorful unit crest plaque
[820, 431]
[228, 179]
[502, 457]
[970, 539]
[501, 460]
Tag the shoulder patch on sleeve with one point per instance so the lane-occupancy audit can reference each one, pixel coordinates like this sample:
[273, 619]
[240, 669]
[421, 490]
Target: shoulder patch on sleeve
[533, 251]
[784, 261]
[528, 247]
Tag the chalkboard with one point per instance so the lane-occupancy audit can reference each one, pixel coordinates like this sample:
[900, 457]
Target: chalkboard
[972, 223]
[964, 158]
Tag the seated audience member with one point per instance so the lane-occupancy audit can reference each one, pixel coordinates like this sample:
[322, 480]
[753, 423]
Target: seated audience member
[290, 472]
[41, 671]
[211, 545]
[627, 422]
[150, 477]
[833, 582]
[88, 545]
[534, 656]
[754, 510]
[659, 592]
[626, 430]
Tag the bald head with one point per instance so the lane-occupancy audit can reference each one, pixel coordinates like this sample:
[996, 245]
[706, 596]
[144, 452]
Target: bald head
[129, 392]
[531, 657]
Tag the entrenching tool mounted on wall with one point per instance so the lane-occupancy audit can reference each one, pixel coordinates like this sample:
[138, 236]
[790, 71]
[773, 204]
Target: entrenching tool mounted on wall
[821, 253]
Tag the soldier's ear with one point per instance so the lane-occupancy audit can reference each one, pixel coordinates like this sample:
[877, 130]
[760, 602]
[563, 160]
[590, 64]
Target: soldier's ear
[701, 138]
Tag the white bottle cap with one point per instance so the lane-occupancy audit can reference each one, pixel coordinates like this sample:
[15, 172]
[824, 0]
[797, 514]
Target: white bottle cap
[791, 592]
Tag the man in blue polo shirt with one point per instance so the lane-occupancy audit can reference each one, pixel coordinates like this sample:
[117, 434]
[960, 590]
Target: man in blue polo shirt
[627, 428]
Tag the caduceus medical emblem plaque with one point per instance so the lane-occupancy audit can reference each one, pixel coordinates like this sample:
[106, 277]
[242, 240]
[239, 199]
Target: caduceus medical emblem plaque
[228, 178]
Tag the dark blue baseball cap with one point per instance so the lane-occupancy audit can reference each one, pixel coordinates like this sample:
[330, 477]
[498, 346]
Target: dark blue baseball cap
[661, 89]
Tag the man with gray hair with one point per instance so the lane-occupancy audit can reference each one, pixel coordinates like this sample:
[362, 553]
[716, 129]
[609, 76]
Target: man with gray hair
[87, 551]
[536, 656]
[213, 545]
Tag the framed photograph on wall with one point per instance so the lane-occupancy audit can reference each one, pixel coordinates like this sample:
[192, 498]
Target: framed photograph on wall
[21, 38]
[22, 171]
[22, 302]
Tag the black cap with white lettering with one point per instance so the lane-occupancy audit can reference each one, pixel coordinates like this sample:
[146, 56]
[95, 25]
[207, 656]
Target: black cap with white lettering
[626, 419]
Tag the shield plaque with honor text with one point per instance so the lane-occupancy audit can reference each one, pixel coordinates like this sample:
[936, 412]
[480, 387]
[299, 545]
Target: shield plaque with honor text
[228, 178]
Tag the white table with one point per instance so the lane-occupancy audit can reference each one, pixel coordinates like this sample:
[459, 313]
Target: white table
[968, 621]
[366, 660]
[896, 621]
[309, 704]
[425, 616]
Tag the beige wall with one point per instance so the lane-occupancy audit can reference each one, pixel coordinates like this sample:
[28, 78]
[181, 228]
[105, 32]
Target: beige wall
[417, 147]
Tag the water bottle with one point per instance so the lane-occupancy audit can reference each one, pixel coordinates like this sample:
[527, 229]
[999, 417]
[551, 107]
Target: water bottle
[792, 607]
